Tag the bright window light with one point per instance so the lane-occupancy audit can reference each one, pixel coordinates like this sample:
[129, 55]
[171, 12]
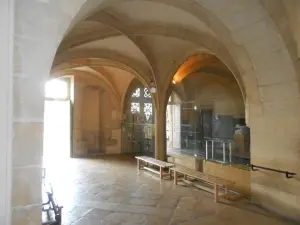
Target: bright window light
[57, 89]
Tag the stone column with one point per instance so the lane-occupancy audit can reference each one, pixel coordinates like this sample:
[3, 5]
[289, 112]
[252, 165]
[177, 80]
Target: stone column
[6, 91]
[27, 149]
[160, 129]
[32, 63]
[39, 28]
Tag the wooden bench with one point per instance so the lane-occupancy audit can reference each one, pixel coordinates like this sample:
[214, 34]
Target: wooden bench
[216, 182]
[148, 160]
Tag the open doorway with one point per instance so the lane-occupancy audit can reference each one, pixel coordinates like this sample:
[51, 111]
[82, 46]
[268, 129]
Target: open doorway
[57, 123]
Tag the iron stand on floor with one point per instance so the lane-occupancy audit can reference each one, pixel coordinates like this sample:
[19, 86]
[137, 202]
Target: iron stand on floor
[50, 207]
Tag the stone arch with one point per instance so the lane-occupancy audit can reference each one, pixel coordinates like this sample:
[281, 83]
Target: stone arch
[102, 76]
[200, 38]
[94, 60]
[139, 73]
[195, 53]
[103, 82]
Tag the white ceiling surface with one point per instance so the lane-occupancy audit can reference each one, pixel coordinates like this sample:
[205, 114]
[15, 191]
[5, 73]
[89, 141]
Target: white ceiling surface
[85, 27]
[146, 11]
[119, 44]
[121, 78]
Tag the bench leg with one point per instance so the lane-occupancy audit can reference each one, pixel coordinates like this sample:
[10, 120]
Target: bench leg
[160, 172]
[226, 189]
[138, 166]
[217, 188]
[170, 173]
[175, 177]
[185, 176]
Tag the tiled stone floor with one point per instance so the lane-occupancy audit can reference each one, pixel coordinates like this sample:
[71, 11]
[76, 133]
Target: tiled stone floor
[108, 191]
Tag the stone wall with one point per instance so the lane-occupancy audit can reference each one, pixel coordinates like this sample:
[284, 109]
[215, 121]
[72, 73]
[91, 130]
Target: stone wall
[240, 176]
[86, 125]
[102, 132]
[221, 93]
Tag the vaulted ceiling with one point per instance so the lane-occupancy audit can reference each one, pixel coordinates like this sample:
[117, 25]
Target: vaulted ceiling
[152, 40]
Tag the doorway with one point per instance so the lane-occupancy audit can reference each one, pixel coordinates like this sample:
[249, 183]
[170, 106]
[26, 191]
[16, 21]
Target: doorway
[57, 123]
[207, 122]
[176, 125]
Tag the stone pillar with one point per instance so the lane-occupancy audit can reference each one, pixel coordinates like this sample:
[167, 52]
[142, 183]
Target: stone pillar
[36, 38]
[32, 63]
[27, 149]
[6, 91]
[78, 143]
[160, 130]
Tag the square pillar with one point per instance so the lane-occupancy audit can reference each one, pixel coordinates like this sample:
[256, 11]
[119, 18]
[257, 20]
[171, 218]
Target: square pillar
[6, 90]
[160, 130]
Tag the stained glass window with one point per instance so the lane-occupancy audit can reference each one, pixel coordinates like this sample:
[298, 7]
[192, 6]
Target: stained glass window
[147, 93]
[136, 93]
[135, 107]
[148, 110]
[148, 131]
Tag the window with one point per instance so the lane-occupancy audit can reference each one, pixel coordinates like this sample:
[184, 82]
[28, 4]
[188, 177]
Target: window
[141, 103]
[148, 110]
[135, 107]
[147, 93]
[136, 93]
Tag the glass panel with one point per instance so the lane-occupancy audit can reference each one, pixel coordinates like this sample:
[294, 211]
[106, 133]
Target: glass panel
[136, 93]
[148, 110]
[147, 93]
[148, 131]
[135, 107]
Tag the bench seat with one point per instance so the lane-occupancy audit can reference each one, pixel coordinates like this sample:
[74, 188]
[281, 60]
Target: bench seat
[217, 182]
[148, 160]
